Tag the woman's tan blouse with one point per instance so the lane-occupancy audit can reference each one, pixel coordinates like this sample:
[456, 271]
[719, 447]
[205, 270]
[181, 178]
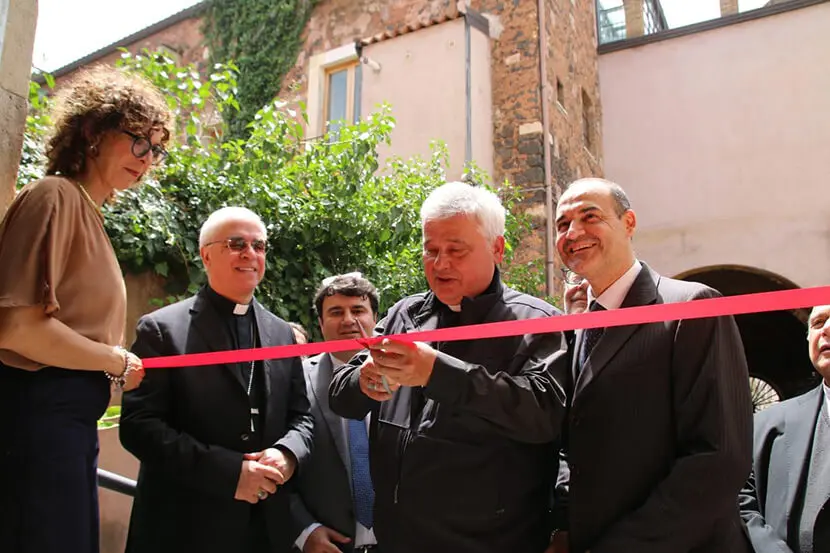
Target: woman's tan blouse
[54, 252]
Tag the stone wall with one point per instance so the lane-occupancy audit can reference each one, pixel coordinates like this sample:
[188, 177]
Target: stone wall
[517, 111]
[572, 77]
[339, 22]
[515, 72]
[574, 106]
[571, 61]
[17, 38]
[573, 64]
[183, 40]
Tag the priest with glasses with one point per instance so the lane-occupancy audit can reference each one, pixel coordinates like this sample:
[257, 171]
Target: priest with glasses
[218, 444]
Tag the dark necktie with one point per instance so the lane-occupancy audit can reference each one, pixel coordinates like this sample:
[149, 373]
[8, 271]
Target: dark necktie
[364, 494]
[590, 337]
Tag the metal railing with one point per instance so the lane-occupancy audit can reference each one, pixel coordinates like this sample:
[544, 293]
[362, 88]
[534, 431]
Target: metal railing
[116, 482]
[611, 24]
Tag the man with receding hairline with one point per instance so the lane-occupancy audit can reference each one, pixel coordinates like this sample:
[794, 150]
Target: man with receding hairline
[218, 444]
[659, 426]
[786, 501]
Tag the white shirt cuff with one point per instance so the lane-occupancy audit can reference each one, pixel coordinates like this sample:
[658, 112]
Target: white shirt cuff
[301, 539]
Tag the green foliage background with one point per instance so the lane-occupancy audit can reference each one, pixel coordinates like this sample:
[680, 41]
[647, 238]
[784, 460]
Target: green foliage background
[263, 36]
[328, 206]
[38, 124]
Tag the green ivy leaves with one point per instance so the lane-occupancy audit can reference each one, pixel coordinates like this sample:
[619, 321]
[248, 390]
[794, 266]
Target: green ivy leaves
[263, 36]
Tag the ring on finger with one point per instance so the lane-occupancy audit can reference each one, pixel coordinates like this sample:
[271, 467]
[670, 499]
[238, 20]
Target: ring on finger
[262, 494]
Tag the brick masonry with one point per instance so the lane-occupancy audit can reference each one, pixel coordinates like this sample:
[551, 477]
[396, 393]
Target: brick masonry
[728, 7]
[517, 114]
[572, 61]
[336, 23]
[517, 110]
[572, 78]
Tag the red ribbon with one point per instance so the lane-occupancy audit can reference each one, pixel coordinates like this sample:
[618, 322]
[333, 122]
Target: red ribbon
[698, 309]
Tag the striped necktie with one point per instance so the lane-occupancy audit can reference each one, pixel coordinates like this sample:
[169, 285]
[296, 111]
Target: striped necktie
[590, 337]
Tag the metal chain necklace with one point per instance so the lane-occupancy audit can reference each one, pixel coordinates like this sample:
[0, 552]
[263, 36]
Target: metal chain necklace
[89, 199]
[254, 410]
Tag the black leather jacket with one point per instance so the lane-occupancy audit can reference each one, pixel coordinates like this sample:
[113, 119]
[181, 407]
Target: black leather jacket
[465, 463]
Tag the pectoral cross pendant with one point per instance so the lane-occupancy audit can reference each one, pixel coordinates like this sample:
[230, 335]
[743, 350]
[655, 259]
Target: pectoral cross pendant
[254, 412]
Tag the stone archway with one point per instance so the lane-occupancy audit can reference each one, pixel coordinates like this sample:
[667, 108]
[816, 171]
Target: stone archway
[18, 19]
[775, 342]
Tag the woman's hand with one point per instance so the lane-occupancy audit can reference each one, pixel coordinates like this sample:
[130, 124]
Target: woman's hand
[130, 370]
[134, 373]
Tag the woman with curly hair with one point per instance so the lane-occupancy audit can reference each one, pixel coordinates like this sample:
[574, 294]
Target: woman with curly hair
[62, 310]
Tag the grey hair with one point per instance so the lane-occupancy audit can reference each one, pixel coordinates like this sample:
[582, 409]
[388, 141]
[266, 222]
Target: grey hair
[222, 216]
[459, 198]
[621, 201]
[618, 195]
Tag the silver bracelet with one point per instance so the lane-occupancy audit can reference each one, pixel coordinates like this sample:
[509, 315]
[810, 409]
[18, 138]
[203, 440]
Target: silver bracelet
[121, 379]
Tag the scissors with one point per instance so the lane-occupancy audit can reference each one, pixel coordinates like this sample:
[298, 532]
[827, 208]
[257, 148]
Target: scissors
[365, 342]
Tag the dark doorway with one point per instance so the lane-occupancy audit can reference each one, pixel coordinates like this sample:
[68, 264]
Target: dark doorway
[775, 342]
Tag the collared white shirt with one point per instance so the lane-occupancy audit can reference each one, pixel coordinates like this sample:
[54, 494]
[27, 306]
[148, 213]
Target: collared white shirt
[363, 536]
[614, 295]
[826, 397]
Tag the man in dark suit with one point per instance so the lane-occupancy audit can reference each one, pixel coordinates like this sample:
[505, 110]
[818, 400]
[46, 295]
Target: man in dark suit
[218, 444]
[786, 502]
[332, 504]
[659, 427]
[462, 432]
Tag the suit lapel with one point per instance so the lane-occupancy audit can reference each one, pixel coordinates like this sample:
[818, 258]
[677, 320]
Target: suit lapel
[578, 335]
[799, 428]
[642, 292]
[320, 380]
[214, 334]
[266, 337]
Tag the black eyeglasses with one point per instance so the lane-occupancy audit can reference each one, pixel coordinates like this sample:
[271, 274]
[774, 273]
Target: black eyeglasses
[571, 278]
[142, 145]
[239, 244]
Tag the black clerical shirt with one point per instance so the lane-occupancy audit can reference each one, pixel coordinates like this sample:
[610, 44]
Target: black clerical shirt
[242, 330]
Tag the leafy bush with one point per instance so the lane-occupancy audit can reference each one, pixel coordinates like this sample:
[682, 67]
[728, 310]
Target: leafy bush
[38, 123]
[110, 417]
[329, 208]
[264, 37]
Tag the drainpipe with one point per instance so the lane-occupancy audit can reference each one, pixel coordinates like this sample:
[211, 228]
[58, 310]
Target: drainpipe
[468, 87]
[543, 90]
[358, 80]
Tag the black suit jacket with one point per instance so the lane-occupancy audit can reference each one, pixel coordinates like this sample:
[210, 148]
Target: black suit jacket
[323, 492]
[660, 432]
[781, 458]
[190, 426]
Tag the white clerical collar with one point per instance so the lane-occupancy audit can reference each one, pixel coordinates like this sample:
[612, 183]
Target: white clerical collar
[241, 308]
[456, 308]
[614, 295]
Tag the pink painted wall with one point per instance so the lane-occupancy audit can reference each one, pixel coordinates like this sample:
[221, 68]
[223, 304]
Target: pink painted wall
[422, 77]
[721, 139]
